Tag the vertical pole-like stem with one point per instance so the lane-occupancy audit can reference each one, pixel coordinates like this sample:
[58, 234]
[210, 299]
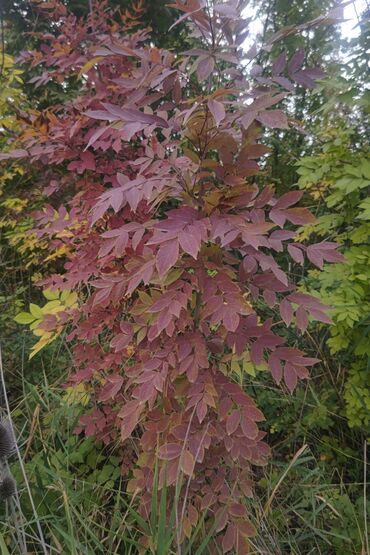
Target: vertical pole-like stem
[39, 529]
[365, 500]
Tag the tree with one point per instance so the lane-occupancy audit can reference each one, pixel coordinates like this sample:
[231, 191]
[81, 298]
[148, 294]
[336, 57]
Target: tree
[320, 45]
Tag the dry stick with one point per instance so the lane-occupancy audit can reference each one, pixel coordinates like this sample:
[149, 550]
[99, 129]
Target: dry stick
[41, 535]
[35, 420]
[365, 503]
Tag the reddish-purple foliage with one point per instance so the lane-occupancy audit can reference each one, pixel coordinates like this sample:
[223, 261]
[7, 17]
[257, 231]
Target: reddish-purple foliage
[172, 246]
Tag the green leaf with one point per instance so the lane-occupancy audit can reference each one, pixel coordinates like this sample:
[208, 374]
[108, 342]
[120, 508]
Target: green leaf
[36, 311]
[24, 318]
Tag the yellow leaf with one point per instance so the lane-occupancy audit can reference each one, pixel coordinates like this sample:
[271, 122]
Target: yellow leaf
[85, 68]
[71, 299]
[35, 324]
[191, 154]
[51, 295]
[249, 368]
[77, 395]
[141, 335]
[58, 253]
[37, 347]
[145, 298]
[43, 342]
[50, 306]
[39, 332]
[235, 366]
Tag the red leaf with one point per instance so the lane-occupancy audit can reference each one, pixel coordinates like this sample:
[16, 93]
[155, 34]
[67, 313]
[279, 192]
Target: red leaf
[167, 256]
[231, 320]
[276, 369]
[315, 255]
[111, 388]
[229, 538]
[288, 199]
[189, 243]
[290, 377]
[299, 216]
[237, 509]
[221, 519]
[274, 118]
[205, 68]
[320, 316]
[308, 77]
[217, 110]
[249, 428]
[95, 136]
[296, 61]
[286, 311]
[269, 297]
[144, 273]
[17, 153]
[116, 199]
[246, 528]
[232, 422]
[279, 64]
[302, 318]
[325, 250]
[296, 254]
[304, 361]
[201, 411]
[100, 114]
[132, 115]
[193, 515]
[255, 414]
[169, 451]
[187, 463]
[121, 341]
